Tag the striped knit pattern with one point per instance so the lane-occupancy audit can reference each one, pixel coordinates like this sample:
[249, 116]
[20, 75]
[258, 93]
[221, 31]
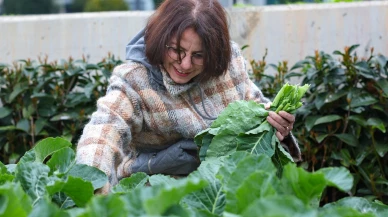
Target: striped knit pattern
[135, 113]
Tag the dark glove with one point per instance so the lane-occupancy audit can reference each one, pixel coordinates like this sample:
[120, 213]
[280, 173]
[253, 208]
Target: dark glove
[178, 159]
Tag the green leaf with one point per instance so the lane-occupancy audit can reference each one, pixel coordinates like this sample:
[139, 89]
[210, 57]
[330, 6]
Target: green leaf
[327, 119]
[62, 160]
[24, 125]
[170, 195]
[211, 198]
[364, 99]
[310, 122]
[381, 148]
[257, 143]
[48, 146]
[320, 138]
[338, 177]
[46, 209]
[136, 180]
[362, 205]
[18, 89]
[244, 168]
[90, 174]
[78, 190]
[383, 85]
[108, 206]
[359, 119]
[4, 112]
[376, 123]
[342, 212]
[14, 201]
[348, 139]
[33, 177]
[257, 185]
[308, 187]
[269, 206]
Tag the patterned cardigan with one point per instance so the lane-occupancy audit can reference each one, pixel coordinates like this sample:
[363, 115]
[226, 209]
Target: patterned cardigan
[135, 113]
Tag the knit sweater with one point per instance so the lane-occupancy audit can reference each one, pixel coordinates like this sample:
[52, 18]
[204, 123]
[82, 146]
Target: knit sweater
[137, 113]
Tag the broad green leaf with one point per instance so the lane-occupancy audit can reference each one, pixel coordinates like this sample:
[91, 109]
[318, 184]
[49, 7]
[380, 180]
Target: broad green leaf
[327, 119]
[222, 144]
[342, 212]
[338, 177]
[270, 207]
[207, 139]
[376, 123]
[48, 146]
[78, 190]
[359, 119]
[39, 125]
[5, 176]
[383, 84]
[46, 209]
[308, 187]
[24, 125]
[244, 168]
[320, 138]
[211, 198]
[310, 122]
[170, 195]
[18, 89]
[8, 128]
[136, 180]
[230, 165]
[4, 112]
[257, 185]
[257, 143]
[88, 173]
[62, 160]
[14, 201]
[108, 206]
[348, 139]
[381, 148]
[320, 100]
[33, 177]
[362, 205]
[362, 100]
[160, 179]
[331, 97]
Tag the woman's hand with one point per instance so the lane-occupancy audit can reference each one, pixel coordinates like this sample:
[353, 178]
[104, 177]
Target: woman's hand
[283, 123]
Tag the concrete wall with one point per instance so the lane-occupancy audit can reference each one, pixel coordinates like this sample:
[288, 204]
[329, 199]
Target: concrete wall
[290, 32]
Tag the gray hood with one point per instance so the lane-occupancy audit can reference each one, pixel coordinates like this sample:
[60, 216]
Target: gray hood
[135, 51]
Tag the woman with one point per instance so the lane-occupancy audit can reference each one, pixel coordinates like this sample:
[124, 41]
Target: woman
[182, 72]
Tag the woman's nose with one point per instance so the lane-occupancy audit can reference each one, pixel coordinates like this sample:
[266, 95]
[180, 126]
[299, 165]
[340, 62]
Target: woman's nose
[186, 62]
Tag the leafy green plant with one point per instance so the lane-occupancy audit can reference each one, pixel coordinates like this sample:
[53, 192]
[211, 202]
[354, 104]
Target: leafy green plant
[345, 118]
[242, 126]
[41, 99]
[47, 182]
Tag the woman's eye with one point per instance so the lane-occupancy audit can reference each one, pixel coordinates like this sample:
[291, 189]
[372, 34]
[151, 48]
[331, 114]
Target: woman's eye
[197, 55]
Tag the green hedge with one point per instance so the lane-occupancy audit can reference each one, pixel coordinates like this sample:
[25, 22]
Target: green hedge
[345, 117]
[42, 99]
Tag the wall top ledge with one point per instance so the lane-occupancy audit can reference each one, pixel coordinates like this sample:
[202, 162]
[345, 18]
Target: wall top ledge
[269, 8]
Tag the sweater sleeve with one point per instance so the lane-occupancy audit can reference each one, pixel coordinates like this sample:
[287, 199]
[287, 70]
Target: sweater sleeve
[105, 141]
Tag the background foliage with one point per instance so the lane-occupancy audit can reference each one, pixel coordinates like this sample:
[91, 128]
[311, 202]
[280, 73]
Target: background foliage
[29, 7]
[345, 116]
[43, 99]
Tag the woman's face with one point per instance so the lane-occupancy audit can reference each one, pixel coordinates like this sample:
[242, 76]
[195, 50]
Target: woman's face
[191, 45]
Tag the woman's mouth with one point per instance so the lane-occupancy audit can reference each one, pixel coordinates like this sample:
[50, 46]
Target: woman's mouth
[181, 73]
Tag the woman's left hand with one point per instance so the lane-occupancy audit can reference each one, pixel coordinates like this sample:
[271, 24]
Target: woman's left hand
[283, 123]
